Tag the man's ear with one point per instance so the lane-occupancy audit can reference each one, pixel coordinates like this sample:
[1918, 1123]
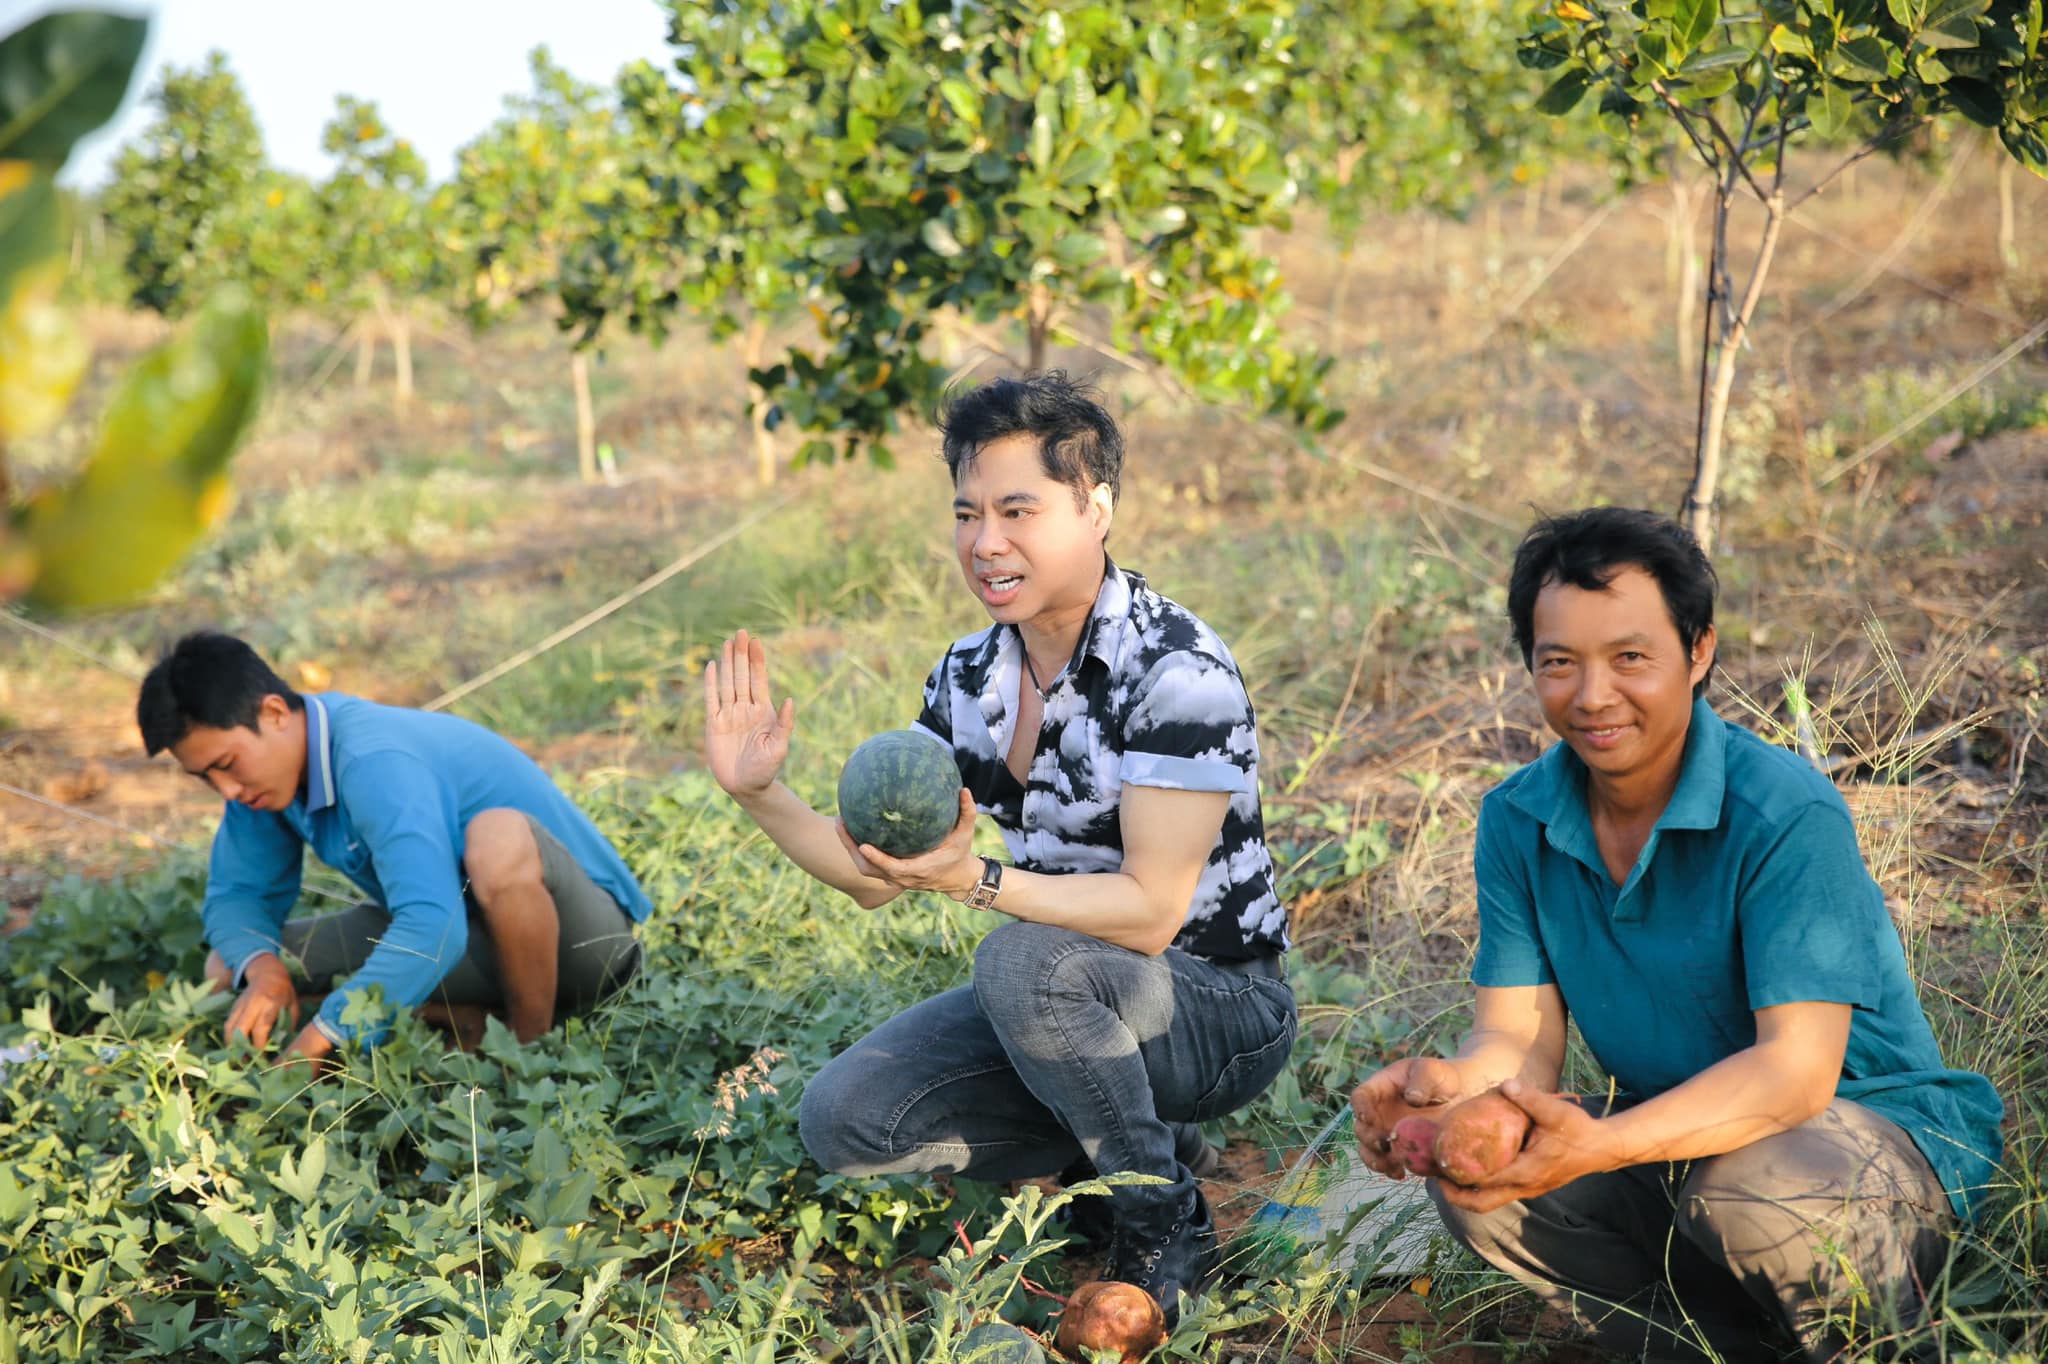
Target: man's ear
[1703, 653]
[273, 711]
[1101, 507]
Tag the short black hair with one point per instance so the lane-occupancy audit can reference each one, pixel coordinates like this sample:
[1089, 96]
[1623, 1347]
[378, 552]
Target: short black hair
[1585, 549]
[207, 679]
[1078, 441]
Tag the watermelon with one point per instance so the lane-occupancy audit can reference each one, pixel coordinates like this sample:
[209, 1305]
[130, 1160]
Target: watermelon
[900, 792]
[998, 1342]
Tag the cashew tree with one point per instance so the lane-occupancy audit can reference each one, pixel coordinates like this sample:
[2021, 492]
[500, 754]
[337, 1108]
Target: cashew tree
[374, 253]
[185, 191]
[686, 231]
[1751, 89]
[1092, 174]
[1414, 104]
[521, 204]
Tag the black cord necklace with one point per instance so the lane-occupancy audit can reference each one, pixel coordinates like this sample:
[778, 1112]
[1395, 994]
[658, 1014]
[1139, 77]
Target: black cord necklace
[1032, 668]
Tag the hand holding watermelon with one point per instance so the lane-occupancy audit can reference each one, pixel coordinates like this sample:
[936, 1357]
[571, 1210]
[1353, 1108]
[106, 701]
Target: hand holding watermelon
[951, 868]
[746, 737]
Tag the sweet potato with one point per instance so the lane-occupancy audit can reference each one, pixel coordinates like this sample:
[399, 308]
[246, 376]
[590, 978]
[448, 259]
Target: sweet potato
[1110, 1315]
[1415, 1144]
[1480, 1136]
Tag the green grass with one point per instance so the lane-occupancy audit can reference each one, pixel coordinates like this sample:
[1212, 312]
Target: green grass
[588, 1198]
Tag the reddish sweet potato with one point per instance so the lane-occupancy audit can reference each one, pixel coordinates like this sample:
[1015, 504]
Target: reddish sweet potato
[1415, 1144]
[1109, 1315]
[1480, 1136]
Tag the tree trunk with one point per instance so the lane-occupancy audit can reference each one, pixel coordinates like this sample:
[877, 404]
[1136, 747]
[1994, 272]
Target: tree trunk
[767, 460]
[401, 354]
[1682, 270]
[366, 355]
[1532, 208]
[1333, 324]
[586, 422]
[1698, 511]
[1040, 321]
[395, 327]
[2008, 249]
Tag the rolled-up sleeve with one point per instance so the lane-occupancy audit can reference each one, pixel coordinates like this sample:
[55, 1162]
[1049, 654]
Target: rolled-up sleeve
[1189, 728]
[407, 822]
[252, 882]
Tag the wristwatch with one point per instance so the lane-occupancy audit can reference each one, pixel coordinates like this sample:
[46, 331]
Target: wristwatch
[983, 896]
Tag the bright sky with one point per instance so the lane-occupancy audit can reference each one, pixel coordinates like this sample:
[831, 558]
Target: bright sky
[439, 69]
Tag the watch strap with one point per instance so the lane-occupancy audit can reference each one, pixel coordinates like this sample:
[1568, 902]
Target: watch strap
[983, 896]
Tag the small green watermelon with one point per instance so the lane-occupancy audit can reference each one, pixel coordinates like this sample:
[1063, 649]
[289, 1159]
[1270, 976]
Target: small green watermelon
[900, 792]
[998, 1342]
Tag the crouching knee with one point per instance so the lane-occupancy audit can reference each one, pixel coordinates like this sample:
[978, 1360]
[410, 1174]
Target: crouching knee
[499, 852]
[834, 1124]
[1015, 967]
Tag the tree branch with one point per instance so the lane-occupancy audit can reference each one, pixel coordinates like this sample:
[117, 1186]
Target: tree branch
[1784, 132]
[1891, 132]
[1707, 153]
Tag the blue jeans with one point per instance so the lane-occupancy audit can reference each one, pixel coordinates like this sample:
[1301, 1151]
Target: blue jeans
[1064, 1045]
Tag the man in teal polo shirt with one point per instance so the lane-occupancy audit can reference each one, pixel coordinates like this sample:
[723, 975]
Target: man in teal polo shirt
[489, 890]
[1784, 1151]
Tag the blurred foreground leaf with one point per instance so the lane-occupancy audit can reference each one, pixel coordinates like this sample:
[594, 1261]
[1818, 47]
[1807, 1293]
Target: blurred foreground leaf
[157, 479]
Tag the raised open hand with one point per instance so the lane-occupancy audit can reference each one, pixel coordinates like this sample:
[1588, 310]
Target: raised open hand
[745, 736]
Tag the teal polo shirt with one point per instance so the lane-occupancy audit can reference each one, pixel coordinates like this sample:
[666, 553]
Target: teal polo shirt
[1751, 892]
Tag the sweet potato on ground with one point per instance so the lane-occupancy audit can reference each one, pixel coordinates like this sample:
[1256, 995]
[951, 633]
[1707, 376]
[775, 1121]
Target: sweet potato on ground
[1109, 1315]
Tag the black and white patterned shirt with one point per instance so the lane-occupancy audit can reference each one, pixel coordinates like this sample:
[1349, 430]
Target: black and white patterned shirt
[1151, 698]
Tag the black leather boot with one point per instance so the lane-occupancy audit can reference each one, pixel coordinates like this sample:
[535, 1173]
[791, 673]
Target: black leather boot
[1088, 1220]
[1165, 1243]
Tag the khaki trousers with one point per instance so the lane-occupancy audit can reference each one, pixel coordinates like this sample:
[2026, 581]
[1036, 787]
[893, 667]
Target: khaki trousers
[597, 950]
[1807, 1243]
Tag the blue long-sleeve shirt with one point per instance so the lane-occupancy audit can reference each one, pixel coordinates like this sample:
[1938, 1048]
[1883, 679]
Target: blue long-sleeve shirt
[387, 795]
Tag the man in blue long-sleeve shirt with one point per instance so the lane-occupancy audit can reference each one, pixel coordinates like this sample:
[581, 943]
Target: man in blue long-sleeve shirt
[487, 888]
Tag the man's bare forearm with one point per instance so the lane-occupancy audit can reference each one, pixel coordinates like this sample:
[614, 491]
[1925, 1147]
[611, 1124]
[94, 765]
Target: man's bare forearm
[811, 840]
[1488, 1057]
[1756, 1093]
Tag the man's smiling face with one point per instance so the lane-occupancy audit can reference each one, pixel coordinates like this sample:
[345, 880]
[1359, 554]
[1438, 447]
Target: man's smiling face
[1613, 678]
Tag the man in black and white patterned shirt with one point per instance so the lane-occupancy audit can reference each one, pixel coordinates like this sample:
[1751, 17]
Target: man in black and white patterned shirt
[1106, 730]
[1151, 697]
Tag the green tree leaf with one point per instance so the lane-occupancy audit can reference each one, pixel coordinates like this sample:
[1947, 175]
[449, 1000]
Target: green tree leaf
[1977, 101]
[1693, 21]
[1829, 109]
[1864, 59]
[1953, 24]
[61, 77]
[1564, 93]
[156, 478]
